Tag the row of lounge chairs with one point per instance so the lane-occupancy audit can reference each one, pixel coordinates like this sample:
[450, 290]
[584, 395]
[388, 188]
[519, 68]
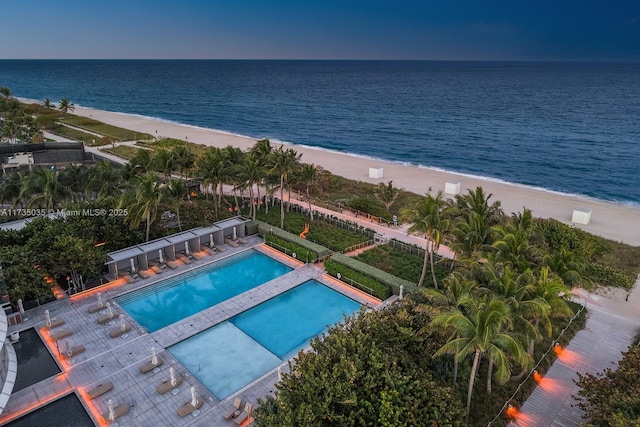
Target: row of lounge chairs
[236, 414]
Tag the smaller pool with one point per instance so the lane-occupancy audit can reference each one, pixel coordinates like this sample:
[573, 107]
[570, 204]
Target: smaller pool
[172, 300]
[34, 360]
[231, 355]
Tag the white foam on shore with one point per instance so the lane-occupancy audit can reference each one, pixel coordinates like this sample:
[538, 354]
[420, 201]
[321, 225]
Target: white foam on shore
[625, 203]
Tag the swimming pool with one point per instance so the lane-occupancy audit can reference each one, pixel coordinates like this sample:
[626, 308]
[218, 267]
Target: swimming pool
[34, 360]
[172, 300]
[231, 355]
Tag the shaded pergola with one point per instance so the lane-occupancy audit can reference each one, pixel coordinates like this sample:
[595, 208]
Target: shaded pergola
[142, 256]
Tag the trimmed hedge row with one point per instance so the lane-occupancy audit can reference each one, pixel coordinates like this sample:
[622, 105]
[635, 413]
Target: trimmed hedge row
[383, 277]
[377, 289]
[302, 254]
[268, 229]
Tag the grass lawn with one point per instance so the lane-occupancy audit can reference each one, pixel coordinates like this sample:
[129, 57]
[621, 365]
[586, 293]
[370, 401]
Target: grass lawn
[119, 134]
[124, 151]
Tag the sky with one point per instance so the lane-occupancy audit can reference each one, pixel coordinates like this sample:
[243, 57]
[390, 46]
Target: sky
[321, 29]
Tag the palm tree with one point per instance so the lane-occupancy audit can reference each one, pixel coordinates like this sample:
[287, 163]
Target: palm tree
[481, 329]
[105, 178]
[10, 188]
[66, 106]
[234, 157]
[387, 194]
[283, 164]
[457, 290]
[476, 201]
[428, 217]
[163, 162]
[44, 189]
[143, 200]
[176, 192]
[309, 177]
[184, 158]
[47, 103]
[209, 167]
[251, 173]
[568, 266]
[5, 92]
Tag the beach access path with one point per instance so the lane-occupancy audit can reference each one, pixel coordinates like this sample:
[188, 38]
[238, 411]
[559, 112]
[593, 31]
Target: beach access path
[612, 221]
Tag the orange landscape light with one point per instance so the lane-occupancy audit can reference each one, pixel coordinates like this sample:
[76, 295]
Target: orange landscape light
[41, 402]
[511, 412]
[536, 376]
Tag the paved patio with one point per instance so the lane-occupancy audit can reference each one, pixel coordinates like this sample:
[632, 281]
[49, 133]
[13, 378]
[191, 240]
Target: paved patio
[118, 359]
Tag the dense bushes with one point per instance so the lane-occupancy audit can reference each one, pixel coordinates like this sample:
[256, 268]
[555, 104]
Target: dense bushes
[374, 370]
[290, 248]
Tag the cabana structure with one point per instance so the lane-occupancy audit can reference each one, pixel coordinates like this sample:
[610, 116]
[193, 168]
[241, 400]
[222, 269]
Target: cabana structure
[141, 257]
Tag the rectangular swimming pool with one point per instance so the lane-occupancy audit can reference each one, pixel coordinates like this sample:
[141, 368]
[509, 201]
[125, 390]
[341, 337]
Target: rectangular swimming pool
[231, 355]
[177, 298]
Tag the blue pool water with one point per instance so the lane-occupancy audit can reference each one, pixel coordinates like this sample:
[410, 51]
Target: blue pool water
[231, 355]
[172, 300]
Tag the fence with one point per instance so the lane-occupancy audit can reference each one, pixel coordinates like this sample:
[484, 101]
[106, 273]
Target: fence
[356, 284]
[358, 246]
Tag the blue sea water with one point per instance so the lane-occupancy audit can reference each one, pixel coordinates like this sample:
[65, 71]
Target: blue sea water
[568, 127]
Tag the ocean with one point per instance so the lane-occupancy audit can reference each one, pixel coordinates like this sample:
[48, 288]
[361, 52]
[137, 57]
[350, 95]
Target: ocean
[566, 127]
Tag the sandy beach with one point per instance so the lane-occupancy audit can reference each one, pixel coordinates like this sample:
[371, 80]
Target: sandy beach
[612, 221]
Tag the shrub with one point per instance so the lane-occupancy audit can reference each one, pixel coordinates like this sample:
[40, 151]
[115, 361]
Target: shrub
[302, 254]
[609, 276]
[358, 280]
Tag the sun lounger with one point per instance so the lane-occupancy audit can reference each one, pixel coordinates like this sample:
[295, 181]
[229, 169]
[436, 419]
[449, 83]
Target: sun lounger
[100, 389]
[245, 414]
[118, 411]
[231, 243]
[220, 248]
[96, 308]
[74, 352]
[130, 279]
[208, 250]
[149, 366]
[167, 386]
[188, 408]
[106, 318]
[242, 240]
[234, 410]
[119, 332]
[185, 260]
[54, 324]
[157, 268]
[61, 334]
[200, 255]
[173, 264]
[144, 274]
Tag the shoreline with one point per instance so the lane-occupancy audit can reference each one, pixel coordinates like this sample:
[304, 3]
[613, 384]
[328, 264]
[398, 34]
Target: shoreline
[611, 220]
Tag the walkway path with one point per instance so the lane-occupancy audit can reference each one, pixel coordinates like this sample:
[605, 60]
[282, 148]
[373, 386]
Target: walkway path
[611, 326]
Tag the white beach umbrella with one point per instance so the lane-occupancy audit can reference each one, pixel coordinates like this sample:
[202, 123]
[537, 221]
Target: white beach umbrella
[186, 248]
[279, 373]
[211, 242]
[235, 235]
[133, 265]
[194, 399]
[112, 410]
[109, 311]
[48, 317]
[160, 256]
[401, 292]
[172, 374]
[123, 324]
[154, 356]
[100, 299]
[67, 347]
[20, 306]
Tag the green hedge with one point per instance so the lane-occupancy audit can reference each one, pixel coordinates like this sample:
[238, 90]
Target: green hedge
[383, 277]
[369, 285]
[264, 229]
[302, 254]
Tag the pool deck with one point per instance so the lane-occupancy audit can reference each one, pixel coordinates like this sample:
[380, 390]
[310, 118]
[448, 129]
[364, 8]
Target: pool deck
[118, 360]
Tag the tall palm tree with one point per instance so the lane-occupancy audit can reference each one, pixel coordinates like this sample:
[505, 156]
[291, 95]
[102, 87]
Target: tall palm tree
[476, 201]
[283, 164]
[44, 189]
[309, 177]
[47, 103]
[387, 194]
[209, 169]
[482, 329]
[143, 200]
[5, 92]
[106, 178]
[10, 188]
[251, 173]
[163, 162]
[176, 192]
[66, 106]
[184, 158]
[234, 157]
[428, 217]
